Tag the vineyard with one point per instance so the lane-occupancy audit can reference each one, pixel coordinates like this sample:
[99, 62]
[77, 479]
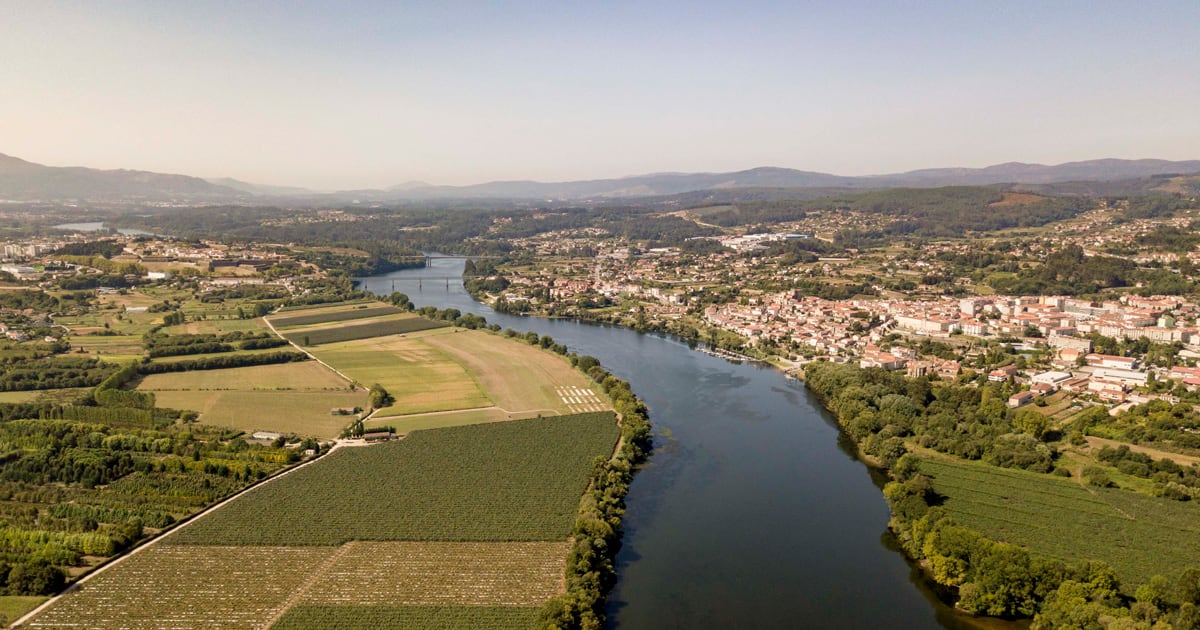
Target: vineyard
[366, 330]
[1138, 535]
[510, 481]
[440, 617]
[442, 573]
[324, 316]
[167, 586]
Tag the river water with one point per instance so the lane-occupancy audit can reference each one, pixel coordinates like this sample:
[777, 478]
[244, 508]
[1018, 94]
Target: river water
[751, 513]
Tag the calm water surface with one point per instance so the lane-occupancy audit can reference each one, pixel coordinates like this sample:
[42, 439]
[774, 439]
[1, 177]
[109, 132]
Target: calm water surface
[751, 512]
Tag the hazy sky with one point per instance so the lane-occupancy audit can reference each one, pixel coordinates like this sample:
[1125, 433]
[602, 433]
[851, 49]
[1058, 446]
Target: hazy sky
[365, 94]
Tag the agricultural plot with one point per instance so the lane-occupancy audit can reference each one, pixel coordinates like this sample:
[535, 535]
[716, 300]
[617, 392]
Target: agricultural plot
[420, 377]
[285, 398]
[443, 419]
[518, 376]
[322, 316]
[441, 574]
[302, 375]
[1138, 535]
[440, 617]
[364, 330]
[505, 481]
[168, 586]
[109, 347]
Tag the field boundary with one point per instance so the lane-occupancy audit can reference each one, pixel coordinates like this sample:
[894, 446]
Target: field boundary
[312, 356]
[309, 582]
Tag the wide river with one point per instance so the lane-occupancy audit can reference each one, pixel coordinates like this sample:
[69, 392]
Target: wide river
[751, 512]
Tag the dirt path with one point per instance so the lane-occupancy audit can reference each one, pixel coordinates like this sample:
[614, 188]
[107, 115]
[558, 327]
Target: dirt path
[307, 585]
[1096, 443]
[310, 355]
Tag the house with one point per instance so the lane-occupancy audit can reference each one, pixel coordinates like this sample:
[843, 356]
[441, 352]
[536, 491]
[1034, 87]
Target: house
[999, 375]
[378, 436]
[1020, 398]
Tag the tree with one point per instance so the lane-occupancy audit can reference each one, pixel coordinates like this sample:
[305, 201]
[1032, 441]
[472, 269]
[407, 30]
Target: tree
[379, 397]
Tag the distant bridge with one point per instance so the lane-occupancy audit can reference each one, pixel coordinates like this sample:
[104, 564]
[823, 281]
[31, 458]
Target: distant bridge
[431, 257]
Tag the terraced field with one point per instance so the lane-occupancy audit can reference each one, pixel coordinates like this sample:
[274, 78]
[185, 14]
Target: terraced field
[1138, 535]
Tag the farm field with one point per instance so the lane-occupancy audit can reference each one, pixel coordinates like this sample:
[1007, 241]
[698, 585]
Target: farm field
[1138, 535]
[441, 574]
[518, 376]
[300, 375]
[302, 413]
[419, 376]
[287, 397]
[326, 315]
[225, 587]
[443, 419]
[110, 347]
[377, 327]
[216, 326]
[504, 481]
[309, 617]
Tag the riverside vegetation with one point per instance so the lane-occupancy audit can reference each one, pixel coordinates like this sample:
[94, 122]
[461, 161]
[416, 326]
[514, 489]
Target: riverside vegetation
[981, 499]
[471, 496]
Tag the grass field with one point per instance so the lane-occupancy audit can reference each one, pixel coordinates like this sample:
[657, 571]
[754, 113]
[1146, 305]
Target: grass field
[302, 413]
[440, 617]
[216, 326]
[505, 481]
[518, 376]
[442, 573]
[1138, 535]
[286, 398]
[19, 397]
[168, 586]
[13, 607]
[419, 376]
[299, 375]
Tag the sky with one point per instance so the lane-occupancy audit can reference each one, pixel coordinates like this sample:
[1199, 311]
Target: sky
[341, 95]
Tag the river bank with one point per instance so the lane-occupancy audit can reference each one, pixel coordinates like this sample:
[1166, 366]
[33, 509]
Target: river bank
[752, 512]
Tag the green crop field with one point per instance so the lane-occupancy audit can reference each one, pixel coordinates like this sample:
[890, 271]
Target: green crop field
[504, 481]
[441, 420]
[169, 586]
[331, 315]
[365, 330]
[1138, 535]
[440, 617]
[419, 376]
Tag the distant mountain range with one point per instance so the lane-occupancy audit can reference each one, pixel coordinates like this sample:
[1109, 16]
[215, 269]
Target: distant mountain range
[27, 181]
